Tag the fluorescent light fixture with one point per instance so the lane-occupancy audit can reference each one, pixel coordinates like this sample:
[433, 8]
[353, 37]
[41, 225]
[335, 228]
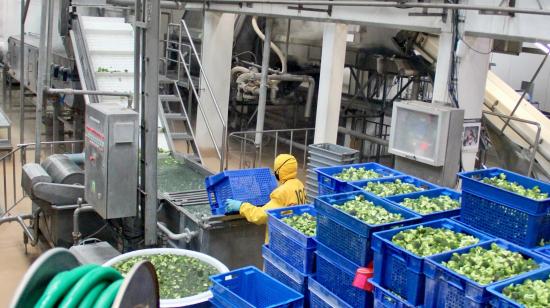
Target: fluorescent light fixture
[543, 47]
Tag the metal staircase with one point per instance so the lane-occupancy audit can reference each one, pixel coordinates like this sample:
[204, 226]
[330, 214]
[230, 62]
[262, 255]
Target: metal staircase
[175, 122]
[172, 111]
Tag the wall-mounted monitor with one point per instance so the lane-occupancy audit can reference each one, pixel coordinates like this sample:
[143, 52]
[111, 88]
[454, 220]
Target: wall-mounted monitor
[419, 130]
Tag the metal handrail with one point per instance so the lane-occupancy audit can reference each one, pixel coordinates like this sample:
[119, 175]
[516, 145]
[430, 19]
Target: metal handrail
[536, 142]
[259, 148]
[194, 52]
[21, 149]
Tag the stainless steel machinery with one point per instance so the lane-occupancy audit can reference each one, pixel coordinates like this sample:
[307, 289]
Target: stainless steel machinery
[111, 164]
[55, 187]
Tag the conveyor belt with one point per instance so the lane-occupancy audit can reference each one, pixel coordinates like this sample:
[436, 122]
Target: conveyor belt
[104, 54]
[501, 98]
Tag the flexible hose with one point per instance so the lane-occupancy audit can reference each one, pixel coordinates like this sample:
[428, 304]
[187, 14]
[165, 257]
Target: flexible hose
[276, 49]
[86, 286]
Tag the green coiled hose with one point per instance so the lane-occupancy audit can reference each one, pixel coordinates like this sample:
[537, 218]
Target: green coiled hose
[87, 286]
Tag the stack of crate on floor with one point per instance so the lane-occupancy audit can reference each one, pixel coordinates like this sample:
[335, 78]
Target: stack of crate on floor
[249, 287]
[344, 241]
[503, 213]
[399, 273]
[290, 255]
[325, 155]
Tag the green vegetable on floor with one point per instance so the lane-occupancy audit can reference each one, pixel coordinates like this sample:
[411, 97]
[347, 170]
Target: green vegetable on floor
[531, 293]
[427, 241]
[387, 189]
[305, 223]
[179, 276]
[427, 205]
[369, 212]
[357, 174]
[486, 266]
[501, 182]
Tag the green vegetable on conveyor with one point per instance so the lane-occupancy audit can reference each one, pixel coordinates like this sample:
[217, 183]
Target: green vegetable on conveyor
[427, 241]
[368, 212]
[387, 189]
[305, 223]
[357, 174]
[178, 276]
[501, 182]
[427, 205]
[486, 266]
[531, 293]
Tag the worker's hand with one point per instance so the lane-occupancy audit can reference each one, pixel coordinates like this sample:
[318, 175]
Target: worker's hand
[232, 205]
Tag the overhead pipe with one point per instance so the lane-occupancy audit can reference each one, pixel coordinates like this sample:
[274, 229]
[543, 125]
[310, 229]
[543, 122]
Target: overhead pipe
[262, 99]
[281, 77]
[370, 138]
[391, 4]
[172, 5]
[310, 91]
[276, 49]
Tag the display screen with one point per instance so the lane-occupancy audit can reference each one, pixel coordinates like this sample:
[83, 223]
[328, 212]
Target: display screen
[416, 133]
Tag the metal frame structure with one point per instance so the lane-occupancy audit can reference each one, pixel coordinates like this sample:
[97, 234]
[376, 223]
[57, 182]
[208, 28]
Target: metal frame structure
[534, 145]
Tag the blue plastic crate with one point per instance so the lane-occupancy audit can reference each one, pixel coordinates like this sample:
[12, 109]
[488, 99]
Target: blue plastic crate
[446, 288]
[471, 182]
[405, 179]
[401, 271]
[503, 221]
[430, 193]
[386, 299]
[249, 185]
[250, 287]
[545, 251]
[293, 246]
[348, 235]
[329, 185]
[277, 268]
[336, 273]
[321, 297]
[502, 301]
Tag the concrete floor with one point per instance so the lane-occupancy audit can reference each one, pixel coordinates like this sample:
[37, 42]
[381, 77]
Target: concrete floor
[13, 259]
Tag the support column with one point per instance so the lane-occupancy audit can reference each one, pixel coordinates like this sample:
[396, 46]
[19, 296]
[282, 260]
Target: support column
[442, 69]
[260, 117]
[472, 71]
[333, 58]
[149, 109]
[217, 49]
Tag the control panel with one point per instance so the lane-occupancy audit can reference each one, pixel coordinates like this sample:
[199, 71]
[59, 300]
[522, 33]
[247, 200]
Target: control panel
[111, 159]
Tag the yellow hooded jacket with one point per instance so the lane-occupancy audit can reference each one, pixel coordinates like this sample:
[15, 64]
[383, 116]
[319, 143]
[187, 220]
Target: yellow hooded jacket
[290, 191]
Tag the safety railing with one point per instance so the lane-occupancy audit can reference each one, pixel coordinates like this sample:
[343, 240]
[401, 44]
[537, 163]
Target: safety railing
[171, 53]
[533, 145]
[277, 141]
[11, 165]
[187, 67]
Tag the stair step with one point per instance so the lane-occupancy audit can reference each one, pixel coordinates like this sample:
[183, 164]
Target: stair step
[181, 136]
[169, 98]
[175, 116]
[192, 157]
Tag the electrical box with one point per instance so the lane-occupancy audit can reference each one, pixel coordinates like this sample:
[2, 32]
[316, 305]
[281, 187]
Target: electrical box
[111, 159]
[420, 131]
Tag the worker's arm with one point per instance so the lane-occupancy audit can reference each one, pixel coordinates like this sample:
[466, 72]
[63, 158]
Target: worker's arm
[257, 214]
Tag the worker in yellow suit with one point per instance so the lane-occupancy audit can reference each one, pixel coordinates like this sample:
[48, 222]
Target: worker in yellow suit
[290, 192]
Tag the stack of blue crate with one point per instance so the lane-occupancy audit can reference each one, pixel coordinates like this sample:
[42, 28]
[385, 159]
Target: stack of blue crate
[344, 244]
[290, 255]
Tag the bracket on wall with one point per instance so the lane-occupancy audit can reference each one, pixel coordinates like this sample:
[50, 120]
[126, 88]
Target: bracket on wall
[300, 7]
[507, 3]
